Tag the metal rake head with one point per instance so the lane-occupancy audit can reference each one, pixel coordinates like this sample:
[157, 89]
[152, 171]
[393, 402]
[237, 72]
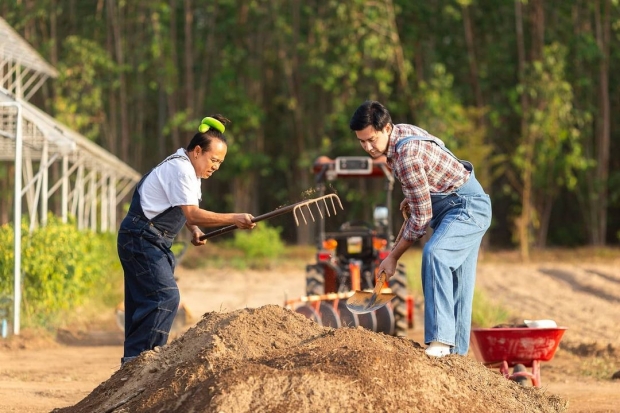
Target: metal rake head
[299, 208]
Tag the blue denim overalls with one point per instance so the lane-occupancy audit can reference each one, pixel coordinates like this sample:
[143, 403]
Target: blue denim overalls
[151, 292]
[460, 219]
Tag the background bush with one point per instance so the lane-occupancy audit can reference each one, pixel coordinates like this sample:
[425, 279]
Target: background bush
[62, 269]
[260, 246]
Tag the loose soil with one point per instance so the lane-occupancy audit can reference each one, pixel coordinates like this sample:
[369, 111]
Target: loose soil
[245, 353]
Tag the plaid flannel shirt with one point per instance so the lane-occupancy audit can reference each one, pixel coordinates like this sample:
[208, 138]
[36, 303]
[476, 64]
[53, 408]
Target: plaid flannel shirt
[423, 168]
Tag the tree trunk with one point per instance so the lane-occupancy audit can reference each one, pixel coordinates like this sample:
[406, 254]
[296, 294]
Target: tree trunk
[544, 208]
[205, 75]
[523, 221]
[189, 58]
[116, 22]
[471, 55]
[111, 126]
[603, 119]
[484, 169]
[403, 77]
[171, 80]
[538, 29]
[137, 116]
[245, 187]
[291, 69]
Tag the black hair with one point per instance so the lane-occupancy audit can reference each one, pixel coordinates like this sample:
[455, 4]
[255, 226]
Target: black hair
[369, 113]
[204, 139]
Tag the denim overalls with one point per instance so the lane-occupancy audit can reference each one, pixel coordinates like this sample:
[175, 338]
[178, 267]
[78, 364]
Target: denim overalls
[151, 292]
[460, 219]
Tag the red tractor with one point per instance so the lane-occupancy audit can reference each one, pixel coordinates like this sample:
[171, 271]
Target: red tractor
[348, 258]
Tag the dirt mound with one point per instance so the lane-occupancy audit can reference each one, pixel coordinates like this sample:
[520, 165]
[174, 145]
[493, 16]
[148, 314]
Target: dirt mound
[274, 360]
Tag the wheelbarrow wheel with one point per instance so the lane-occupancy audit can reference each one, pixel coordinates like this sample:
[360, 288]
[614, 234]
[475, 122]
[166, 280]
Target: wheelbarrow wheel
[522, 380]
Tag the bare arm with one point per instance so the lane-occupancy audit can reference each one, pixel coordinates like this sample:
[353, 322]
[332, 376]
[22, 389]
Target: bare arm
[201, 217]
[389, 263]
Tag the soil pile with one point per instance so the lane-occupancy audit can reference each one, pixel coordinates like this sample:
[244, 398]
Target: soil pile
[271, 359]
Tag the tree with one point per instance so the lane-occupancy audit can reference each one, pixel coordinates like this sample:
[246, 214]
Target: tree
[550, 154]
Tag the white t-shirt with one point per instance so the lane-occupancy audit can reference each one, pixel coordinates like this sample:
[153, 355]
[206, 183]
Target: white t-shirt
[172, 183]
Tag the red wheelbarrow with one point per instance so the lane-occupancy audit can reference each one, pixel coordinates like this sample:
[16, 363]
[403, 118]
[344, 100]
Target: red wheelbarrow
[516, 347]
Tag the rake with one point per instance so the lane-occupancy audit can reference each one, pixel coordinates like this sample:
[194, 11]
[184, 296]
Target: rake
[298, 209]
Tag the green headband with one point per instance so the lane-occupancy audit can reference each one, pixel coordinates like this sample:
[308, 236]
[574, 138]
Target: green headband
[208, 123]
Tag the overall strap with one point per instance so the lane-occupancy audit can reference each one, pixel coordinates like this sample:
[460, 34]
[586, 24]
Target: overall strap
[170, 221]
[171, 157]
[406, 139]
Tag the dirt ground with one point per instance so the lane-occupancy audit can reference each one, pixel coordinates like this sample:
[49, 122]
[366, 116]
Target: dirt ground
[247, 355]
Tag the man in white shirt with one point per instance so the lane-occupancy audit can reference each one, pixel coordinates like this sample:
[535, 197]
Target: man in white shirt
[165, 200]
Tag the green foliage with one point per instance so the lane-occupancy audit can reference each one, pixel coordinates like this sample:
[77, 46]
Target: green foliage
[80, 86]
[260, 245]
[554, 124]
[485, 313]
[290, 74]
[412, 260]
[550, 154]
[62, 268]
[444, 116]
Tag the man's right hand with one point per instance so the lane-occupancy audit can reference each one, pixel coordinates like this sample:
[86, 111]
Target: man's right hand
[244, 221]
[388, 265]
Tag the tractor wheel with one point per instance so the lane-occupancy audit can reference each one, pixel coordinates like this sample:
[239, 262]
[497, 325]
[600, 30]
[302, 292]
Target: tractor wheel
[398, 284]
[385, 320]
[368, 321]
[315, 280]
[347, 318]
[310, 313]
[328, 314]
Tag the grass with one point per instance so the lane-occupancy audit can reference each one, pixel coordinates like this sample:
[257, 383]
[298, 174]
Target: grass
[601, 367]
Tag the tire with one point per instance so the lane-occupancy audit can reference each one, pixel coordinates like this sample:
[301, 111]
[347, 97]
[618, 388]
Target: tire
[347, 318]
[310, 313]
[385, 320]
[398, 285]
[518, 368]
[315, 280]
[329, 316]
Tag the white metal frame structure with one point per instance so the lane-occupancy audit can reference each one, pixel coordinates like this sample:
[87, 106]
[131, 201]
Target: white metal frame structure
[92, 182]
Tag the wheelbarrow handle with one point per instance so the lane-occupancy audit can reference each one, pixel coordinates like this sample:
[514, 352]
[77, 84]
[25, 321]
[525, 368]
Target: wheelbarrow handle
[229, 228]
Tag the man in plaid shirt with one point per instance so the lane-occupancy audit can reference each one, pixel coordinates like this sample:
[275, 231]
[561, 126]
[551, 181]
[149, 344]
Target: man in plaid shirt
[442, 192]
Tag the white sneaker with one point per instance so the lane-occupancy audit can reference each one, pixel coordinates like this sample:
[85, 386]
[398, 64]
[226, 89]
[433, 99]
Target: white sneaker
[437, 349]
